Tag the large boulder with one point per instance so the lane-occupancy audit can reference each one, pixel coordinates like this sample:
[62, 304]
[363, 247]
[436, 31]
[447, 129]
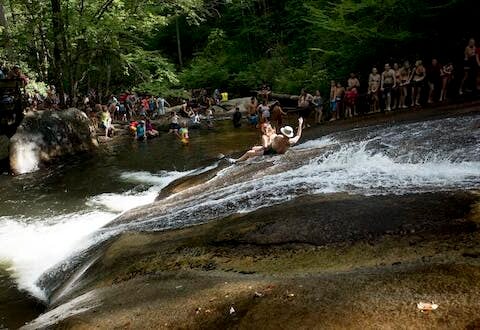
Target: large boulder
[45, 135]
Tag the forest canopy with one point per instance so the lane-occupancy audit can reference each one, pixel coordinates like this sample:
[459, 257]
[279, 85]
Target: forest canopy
[165, 47]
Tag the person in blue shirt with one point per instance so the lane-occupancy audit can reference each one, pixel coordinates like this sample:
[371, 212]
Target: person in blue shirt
[141, 131]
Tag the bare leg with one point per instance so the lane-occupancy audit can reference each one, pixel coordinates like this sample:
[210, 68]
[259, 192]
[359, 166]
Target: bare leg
[389, 101]
[254, 152]
[417, 98]
[443, 93]
[430, 92]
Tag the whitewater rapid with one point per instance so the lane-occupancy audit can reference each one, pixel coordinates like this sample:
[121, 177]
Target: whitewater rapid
[439, 155]
[31, 246]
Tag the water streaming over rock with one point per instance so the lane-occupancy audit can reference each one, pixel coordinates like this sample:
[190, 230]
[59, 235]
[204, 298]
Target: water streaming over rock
[420, 157]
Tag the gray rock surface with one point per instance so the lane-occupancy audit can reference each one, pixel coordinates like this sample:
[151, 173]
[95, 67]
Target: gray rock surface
[46, 135]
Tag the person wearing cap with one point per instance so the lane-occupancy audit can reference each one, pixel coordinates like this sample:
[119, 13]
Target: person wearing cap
[272, 143]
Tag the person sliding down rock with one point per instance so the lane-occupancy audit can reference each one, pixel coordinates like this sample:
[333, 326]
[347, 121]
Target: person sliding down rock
[272, 143]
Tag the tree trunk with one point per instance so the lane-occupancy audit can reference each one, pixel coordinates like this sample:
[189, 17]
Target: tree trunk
[57, 49]
[6, 33]
[179, 45]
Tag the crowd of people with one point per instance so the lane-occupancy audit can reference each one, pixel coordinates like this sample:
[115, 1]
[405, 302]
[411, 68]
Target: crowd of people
[401, 86]
[397, 86]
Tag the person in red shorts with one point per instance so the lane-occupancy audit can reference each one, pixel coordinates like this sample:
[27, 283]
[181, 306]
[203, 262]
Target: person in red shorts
[351, 96]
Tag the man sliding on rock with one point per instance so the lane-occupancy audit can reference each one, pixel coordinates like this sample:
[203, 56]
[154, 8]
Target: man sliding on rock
[272, 143]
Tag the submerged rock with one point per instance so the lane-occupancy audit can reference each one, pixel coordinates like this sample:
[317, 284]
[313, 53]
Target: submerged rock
[45, 135]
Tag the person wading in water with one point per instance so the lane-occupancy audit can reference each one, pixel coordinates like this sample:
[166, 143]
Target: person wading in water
[272, 143]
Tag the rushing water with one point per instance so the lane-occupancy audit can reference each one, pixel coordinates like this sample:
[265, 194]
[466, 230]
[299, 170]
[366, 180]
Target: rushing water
[48, 216]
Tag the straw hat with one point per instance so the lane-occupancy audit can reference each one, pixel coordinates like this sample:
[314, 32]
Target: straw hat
[287, 131]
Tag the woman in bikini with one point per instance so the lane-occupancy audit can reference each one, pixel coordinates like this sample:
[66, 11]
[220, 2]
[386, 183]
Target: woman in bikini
[403, 84]
[446, 74]
[272, 143]
[417, 80]
[471, 63]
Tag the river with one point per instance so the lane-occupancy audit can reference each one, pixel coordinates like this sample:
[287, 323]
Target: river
[45, 216]
[50, 215]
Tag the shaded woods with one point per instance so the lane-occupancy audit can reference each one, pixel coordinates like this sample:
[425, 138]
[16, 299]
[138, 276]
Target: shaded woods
[163, 47]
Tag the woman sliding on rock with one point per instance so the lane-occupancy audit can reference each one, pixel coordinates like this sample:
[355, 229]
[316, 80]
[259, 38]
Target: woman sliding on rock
[272, 143]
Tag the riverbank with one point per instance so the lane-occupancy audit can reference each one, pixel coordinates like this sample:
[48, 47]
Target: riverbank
[352, 261]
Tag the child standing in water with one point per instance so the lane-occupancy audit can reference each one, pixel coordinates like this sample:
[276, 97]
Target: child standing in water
[140, 132]
[183, 134]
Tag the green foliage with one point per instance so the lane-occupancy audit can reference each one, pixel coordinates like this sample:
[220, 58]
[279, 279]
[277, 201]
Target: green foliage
[352, 33]
[209, 68]
[112, 45]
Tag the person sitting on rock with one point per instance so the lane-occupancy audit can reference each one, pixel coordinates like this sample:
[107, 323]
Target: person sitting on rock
[272, 143]
[151, 131]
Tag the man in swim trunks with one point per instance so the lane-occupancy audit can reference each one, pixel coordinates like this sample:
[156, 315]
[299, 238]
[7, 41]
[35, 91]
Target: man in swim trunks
[387, 84]
[272, 143]
[333, 105]
[174, 126]
[373, 86]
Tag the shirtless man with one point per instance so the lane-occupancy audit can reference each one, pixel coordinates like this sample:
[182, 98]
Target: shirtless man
[339, 98]
[333, 105]
[272, 143]
[252, 112]
[373, 87]
[174, 123]
[387, 84]
[353, 81]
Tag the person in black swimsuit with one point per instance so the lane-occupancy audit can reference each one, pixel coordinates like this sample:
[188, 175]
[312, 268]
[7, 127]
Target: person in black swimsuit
[471, 63]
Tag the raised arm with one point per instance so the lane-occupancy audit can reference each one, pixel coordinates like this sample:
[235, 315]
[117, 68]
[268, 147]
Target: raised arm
[295, 139]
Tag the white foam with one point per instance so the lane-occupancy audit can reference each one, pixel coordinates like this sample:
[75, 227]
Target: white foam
[32, 245]
[26, 157]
